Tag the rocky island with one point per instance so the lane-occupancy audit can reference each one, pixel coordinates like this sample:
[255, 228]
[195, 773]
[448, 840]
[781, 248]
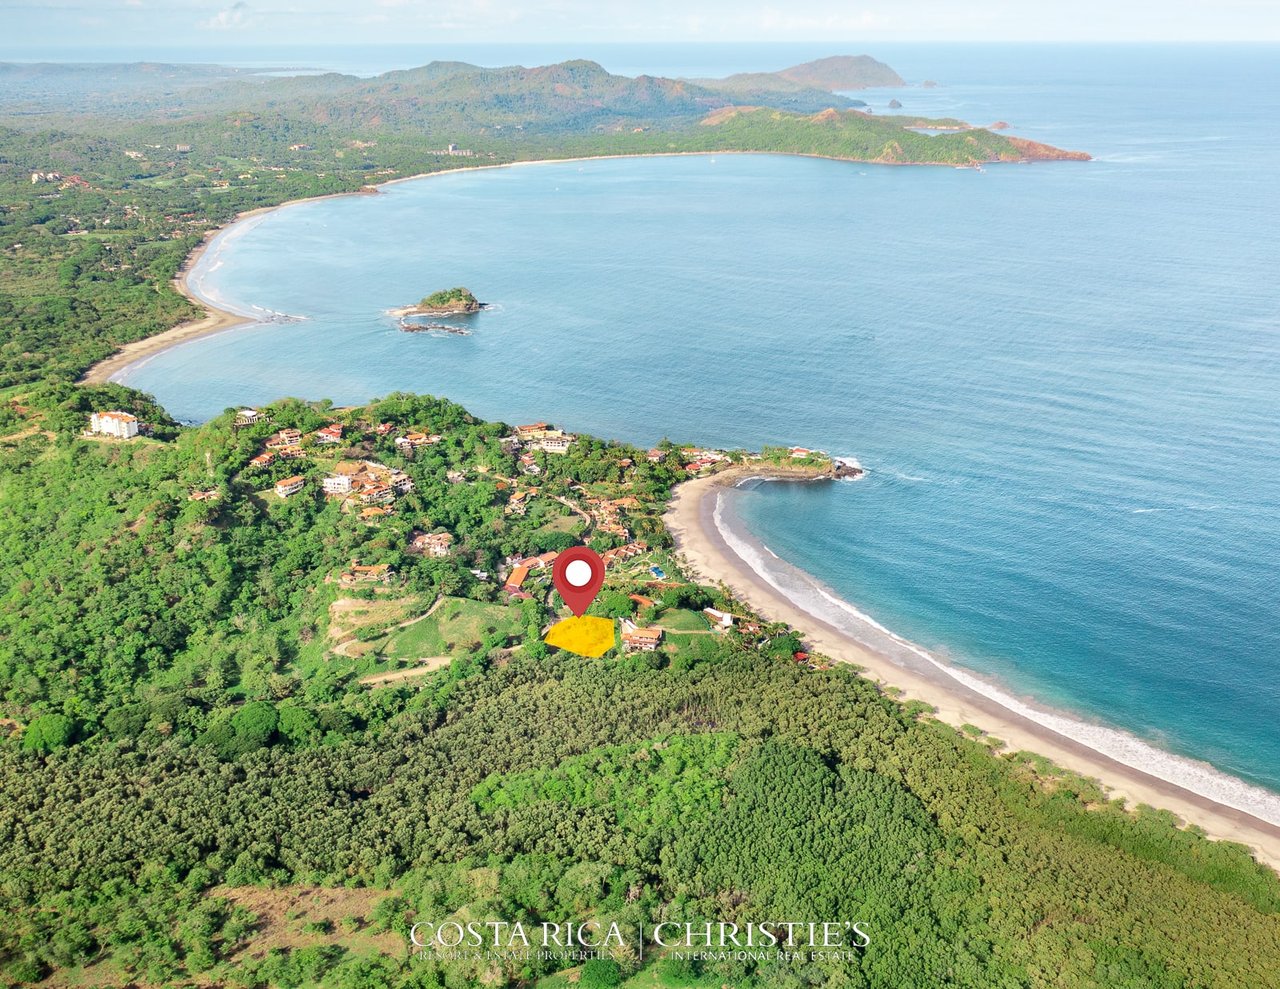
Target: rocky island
[447, 302]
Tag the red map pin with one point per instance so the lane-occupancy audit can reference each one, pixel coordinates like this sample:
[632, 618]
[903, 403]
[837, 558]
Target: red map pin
[578, 574]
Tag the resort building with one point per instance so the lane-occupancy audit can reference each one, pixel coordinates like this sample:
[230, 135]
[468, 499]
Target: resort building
[553, 441]
[620, 554]
[290, 485]
[121, 425]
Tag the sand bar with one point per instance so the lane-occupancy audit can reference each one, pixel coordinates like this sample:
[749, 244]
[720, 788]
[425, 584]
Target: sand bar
[690, 518]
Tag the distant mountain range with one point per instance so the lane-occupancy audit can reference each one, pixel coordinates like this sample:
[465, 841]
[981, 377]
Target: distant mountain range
[570, 96]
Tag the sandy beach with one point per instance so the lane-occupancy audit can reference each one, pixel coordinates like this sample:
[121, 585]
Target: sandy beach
[213, 321]
[699, 540]
[217, 320]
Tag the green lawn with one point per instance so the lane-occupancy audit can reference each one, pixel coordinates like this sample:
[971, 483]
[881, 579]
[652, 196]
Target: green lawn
[457, 625]
[683, 620]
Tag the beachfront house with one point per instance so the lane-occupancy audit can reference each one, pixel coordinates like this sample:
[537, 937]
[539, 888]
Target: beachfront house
[121, 425]
[290, 485]
[720, 620]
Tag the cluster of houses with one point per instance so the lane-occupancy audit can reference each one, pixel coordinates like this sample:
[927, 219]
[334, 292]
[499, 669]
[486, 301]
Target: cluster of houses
[620, 554]
[410, 442]
[121, 425]
[606, 514]
[429, 543]
[520, 570]
[64, 181]
[700, 460]
[366, 482]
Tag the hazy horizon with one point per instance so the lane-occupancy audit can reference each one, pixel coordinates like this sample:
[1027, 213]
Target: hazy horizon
[257, 23]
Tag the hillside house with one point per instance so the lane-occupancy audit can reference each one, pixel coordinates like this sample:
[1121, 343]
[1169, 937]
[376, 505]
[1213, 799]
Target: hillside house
[638, 638]
[431, 543]
[337, 484]
[290, 485]
[329, 434]
[373, 573]
[121, 425]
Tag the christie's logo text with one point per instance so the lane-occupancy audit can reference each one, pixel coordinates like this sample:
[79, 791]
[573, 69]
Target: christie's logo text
[705, 941]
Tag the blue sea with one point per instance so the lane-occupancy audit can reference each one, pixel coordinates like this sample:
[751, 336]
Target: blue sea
[1064, 379]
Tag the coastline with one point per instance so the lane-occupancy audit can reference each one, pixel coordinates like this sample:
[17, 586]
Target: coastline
[691, 520]
[217, 320]
[698, 537]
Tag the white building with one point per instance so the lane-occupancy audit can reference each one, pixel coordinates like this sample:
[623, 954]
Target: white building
[337, 484]
[121, 425]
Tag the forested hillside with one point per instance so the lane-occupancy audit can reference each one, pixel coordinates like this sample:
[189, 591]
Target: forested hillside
[215, 740]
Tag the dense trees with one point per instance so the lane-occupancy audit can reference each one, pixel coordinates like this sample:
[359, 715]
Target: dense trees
[592, 789]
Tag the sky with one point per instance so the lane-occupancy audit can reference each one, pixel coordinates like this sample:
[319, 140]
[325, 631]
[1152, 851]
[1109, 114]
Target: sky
[248, 23]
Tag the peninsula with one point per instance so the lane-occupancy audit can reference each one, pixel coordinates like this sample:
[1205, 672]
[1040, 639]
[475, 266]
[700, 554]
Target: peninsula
[367, 709]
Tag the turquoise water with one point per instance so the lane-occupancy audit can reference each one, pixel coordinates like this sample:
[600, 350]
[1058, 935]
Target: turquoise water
[1063, 378]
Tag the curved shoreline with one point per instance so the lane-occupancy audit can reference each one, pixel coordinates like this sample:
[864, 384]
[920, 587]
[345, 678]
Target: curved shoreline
[691, 519]
[217, 319]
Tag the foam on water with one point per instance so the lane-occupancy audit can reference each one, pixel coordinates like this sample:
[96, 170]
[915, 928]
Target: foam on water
[811, 597]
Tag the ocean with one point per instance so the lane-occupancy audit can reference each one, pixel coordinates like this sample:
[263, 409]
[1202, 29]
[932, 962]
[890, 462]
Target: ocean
[1064, 379]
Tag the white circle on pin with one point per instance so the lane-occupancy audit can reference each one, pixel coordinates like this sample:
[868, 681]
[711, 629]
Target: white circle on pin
[578, 573]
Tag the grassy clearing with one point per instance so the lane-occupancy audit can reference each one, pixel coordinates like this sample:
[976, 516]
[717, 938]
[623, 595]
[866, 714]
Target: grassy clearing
[458, 625]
